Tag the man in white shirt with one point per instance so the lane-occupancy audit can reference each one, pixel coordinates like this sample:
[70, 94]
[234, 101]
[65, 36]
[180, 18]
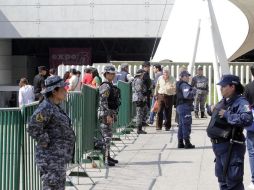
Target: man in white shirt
[165, 90]
[74, 81]
[26, 92]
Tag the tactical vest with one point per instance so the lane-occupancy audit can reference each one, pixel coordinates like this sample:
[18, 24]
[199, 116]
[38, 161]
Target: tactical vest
[122, 76]
[114, 99]
[219, 127]
[179, 94]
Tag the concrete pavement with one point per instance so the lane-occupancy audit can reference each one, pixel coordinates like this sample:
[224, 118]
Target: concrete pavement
[152, 161]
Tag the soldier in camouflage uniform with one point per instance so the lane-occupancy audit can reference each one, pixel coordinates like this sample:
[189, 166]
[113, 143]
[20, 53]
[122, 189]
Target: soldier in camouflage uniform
[107, 112]
[139, 97]
[50, 126]
[200, 82]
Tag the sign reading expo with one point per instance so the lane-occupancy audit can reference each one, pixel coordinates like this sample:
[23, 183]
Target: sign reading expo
[69, 56]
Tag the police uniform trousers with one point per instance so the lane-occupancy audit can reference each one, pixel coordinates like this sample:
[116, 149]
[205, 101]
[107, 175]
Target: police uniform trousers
[185, 120]
[141, 111]
[106, 132]
[52, 169]
[234, 178]
[165, 104]
[199, 101]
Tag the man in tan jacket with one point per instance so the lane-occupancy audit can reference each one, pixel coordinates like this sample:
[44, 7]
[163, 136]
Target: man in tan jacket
[164, 91]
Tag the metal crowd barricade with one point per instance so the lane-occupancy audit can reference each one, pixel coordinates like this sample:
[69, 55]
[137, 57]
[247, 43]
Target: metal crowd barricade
[125, 114]
[30, 177]
[17, 162]
[10, 142]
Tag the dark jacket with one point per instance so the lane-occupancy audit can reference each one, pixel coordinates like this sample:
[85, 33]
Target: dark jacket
[39, 84]
[249, 93]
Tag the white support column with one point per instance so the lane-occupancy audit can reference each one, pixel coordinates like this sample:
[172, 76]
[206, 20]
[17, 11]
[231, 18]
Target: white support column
[216, 72]
[231, 69]
[172, 71]
[210, 84]
[205, 71]
[236, 70]
[242, 75]
[5, 62]
[217, 41]
[247, 74]
[192, 62]
[177, 72]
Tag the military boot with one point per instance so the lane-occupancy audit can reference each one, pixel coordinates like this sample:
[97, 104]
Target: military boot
[180, 143]
[140, 131]
[188, 144]
[113, 160]
[203, 115]
[196, 114]
[109, 163]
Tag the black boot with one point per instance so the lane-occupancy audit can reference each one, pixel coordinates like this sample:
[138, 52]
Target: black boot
[109, 163]
[140, 131]
[196, 114]
[113, 160]
[180, 143]
[188, 144]
[203, 115]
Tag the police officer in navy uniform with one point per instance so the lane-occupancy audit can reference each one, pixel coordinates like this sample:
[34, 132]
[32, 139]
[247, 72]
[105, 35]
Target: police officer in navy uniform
[51, 128]
[229, 117]
[107, 111]
[124, 74]
[185, 94]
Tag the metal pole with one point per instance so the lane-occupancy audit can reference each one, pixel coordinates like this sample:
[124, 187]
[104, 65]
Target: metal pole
[192, 62]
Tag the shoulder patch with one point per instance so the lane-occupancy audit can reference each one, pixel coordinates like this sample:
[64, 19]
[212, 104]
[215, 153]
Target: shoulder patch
[247, 108]
[39, 118]
[106, 93]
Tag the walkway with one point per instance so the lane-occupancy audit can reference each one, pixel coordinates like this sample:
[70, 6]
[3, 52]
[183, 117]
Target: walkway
[153, 162]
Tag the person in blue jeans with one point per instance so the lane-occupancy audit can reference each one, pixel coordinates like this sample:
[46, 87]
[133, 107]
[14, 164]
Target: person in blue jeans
[185, 94]
[249, 94]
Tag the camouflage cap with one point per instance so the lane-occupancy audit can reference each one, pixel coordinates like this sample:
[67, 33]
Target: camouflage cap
[109, 69]
[52, 82]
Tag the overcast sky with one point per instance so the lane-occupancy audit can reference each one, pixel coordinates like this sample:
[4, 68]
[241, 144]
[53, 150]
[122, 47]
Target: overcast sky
[178, 38]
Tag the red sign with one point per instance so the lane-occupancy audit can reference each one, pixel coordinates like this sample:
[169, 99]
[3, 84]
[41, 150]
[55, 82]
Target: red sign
[69, 56]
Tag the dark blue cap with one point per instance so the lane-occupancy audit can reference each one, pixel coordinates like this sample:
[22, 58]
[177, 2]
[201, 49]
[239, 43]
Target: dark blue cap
[229, 79]
[184, 73]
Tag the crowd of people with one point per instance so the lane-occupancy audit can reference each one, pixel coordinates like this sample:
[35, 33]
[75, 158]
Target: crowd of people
[153, 99]
[30, 93]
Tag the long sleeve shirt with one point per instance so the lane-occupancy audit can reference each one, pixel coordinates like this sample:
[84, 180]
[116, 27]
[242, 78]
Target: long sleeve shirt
[167, 87]
[26, 95]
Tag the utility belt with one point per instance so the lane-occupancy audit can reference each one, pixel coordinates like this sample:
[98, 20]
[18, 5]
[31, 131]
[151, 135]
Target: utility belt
[184, 101]
[238, 140]
[219, 140]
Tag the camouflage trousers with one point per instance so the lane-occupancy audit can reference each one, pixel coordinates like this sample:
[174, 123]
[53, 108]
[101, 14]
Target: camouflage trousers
[106, 132]
[141, 114]
[199, 102]
[53, 173]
